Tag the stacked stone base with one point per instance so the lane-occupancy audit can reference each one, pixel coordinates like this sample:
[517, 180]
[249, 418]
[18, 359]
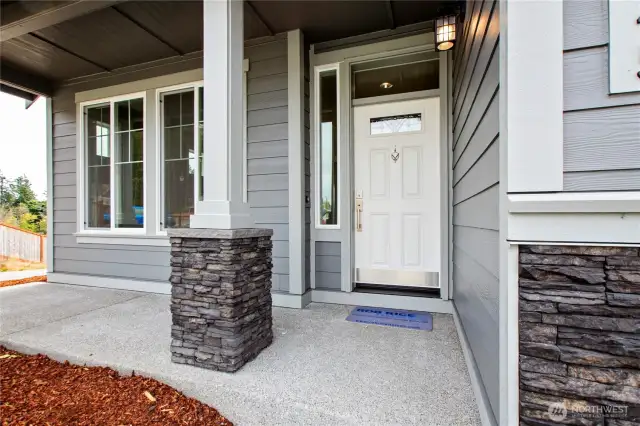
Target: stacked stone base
[221, 296]
[579, 335]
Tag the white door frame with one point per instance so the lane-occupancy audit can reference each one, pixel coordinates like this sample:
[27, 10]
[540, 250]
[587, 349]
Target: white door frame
[346, 234]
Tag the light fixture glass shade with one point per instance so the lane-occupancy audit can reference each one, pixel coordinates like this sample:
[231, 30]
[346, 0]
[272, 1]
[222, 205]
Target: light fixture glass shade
[445, 32]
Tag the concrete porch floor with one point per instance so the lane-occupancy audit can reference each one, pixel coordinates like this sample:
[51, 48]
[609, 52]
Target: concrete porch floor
[319, 370]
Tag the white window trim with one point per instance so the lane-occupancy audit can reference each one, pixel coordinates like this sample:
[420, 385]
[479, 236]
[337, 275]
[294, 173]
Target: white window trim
[316, 138]
[81, 207]
[159, 226]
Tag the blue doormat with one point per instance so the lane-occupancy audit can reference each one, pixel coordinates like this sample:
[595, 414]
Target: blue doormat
[392, 317]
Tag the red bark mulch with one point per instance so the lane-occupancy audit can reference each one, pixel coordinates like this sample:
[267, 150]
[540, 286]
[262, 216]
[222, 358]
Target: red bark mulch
[36, 390]
[36, 279]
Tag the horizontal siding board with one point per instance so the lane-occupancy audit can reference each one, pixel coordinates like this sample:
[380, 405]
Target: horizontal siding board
[102, 268]
[466, 126]
[66, 166]
[480, 211]
[280, 265]
[586, 23]
[328, 248]
[280, 248]
[271, 132]
[328, 263]
[280, 282]
[270, 50]
[278, 98]
[270, 215]
[603, 139]
[63, 179]
[64, 192]
[268, 149]
[267, 84]
[64, 216]
[263, 117]
[280, 230]
[483, 175]
[480, 244]
[586, 81]
[329, 280]
[268, 166]
[269, 199]
[613, 180]
[64, 154]
[64, 129]
[60, 203]
[70, 241]
[267, 67]
[68, 141]
[64, 117]
[273, 182]
[139, 257]
[64, 228]
[465, 156]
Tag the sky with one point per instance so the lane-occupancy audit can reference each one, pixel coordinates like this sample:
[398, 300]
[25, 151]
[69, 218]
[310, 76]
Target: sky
[23, 143]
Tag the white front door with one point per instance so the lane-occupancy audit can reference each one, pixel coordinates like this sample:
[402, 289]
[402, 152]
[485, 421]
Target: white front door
[397, 191]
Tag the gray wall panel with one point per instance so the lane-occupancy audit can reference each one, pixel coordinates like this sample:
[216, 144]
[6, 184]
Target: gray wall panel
[475, 181]
[267, 180]
[328, 265]
[601, 131]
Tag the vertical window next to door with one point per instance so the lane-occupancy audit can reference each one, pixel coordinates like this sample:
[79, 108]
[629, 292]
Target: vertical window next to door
[328, 148]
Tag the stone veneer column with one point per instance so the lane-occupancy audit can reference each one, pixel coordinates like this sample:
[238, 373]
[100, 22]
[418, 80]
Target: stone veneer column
[220, 296]
[579, 333]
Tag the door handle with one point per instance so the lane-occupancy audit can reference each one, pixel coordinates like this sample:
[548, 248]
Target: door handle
[359, 215]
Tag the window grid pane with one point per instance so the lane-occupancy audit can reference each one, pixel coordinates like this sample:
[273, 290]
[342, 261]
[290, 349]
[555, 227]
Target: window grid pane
[129, 164]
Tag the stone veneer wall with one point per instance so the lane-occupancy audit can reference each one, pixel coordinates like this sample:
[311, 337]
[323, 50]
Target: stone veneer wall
[579, 332]
[220, 296]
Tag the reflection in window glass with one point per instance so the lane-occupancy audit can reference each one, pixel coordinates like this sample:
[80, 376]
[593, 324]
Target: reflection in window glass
[129, 164]
[396, 124]
[179, 158]
[98, 167]
[200, 136]
[328, 142]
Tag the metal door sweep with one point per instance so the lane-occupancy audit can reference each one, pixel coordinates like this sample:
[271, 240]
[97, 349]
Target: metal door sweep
[392, 317]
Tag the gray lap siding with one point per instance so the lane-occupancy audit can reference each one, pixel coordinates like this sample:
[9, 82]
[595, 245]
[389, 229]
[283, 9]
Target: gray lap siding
[267, 179]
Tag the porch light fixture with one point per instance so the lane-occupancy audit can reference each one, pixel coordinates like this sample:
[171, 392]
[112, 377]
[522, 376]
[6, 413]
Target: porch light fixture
[445, 32]
[386, 85]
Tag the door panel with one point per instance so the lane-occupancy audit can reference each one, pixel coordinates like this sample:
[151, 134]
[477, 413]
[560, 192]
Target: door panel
[397, 176]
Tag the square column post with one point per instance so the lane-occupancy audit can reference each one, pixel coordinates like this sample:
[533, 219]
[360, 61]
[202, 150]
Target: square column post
[222, 206]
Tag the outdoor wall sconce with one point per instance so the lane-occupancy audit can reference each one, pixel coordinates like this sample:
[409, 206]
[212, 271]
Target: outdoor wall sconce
[445, 32]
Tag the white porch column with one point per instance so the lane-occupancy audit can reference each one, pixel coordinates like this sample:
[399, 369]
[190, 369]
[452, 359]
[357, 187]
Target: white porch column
[222, 206]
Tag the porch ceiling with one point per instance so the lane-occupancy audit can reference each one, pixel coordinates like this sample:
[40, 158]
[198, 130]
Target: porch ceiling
[45, 43]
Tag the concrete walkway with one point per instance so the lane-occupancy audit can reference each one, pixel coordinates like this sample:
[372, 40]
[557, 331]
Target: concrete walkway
[319, 370]
[18, 275]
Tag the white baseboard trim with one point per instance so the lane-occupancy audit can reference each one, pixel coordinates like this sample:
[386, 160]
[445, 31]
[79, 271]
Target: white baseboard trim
[482, 400]
[383, 301]
[286, 300]
[108, 282]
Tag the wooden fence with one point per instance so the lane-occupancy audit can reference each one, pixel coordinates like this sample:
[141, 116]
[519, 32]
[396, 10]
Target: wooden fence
[17, 243]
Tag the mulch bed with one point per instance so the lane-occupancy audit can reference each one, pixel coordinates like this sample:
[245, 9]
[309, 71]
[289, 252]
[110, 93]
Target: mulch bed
[37, 390]
[37, 279]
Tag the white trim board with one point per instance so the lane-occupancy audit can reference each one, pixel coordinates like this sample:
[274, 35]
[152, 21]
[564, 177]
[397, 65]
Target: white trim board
[482, 400]
[585, 228]
[575, 202]
[533, 93]
[426, 304]
[50, 185]
[110, 282]
[286, 300]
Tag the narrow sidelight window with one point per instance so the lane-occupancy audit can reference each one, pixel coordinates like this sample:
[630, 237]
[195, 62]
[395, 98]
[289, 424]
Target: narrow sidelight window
[98, 166]
[327, 147]
[179, 158]
[129, 164]
[200, 146]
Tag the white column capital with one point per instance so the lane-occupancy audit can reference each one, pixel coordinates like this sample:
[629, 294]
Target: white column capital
[222, 205]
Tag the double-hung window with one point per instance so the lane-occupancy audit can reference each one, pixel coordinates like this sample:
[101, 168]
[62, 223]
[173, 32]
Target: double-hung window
[114, 164]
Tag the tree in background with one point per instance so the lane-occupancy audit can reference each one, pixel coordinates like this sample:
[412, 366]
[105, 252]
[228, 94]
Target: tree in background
[20, 207]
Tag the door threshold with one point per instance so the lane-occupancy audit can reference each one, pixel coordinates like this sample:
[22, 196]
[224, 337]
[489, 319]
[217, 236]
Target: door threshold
[397, 290]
